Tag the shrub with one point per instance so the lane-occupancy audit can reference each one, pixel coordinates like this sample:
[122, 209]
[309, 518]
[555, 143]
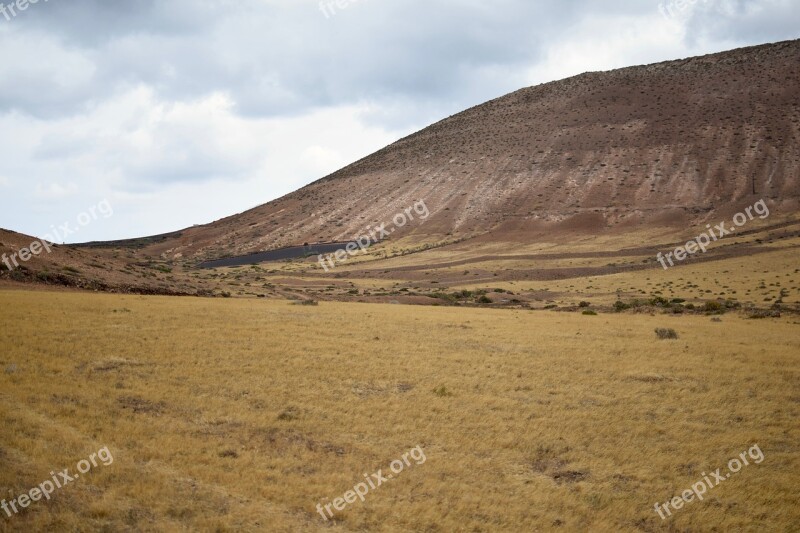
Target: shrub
[442, 391]
[764, 313]
[288, 414]
[589, 312]
[713, 307]
[659, 301]
[666, 333]
[584, 304]
[732, 304]
[442, 296]
[619, 305]
[484, 300]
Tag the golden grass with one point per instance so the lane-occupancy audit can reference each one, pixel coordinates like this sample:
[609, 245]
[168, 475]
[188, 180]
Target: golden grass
[243, 414]
[758, 279]
[765, 273]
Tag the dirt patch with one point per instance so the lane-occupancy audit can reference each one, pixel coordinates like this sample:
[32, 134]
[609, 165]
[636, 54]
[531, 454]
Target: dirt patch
[569, 476]
[140, 405]
[649, 378]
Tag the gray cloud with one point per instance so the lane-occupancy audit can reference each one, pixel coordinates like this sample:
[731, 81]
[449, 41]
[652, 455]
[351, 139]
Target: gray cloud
[278, 61]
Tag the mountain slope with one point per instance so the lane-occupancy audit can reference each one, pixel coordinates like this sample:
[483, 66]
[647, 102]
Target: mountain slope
[664, 145]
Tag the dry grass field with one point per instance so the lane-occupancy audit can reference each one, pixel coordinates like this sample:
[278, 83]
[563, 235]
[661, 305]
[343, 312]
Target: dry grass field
[243, 414]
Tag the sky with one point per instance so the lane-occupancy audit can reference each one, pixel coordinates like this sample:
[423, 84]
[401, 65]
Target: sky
[139, 117]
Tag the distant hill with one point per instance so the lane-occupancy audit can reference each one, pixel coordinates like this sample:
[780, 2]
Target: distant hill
[668, 144]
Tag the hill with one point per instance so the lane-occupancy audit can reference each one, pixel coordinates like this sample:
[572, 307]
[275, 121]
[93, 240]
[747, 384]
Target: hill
[587, 177]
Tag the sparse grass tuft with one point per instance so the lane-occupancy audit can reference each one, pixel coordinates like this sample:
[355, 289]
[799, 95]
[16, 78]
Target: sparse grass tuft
[442, 391]
[666, 333]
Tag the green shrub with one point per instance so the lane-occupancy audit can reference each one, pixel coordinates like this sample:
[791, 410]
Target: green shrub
[619, 306]
[659, 301]
[440, 295]
[442, 391]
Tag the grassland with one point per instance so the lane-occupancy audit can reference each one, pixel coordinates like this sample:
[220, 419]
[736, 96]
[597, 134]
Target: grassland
[757, 269]
[241, 414]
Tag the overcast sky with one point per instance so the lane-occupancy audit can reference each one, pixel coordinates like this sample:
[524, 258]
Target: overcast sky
[180, 112]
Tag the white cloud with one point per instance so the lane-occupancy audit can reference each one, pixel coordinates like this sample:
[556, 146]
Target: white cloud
[55, 190]
[195, 160]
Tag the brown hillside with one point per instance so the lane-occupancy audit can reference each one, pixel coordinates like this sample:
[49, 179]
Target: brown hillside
[669, 144]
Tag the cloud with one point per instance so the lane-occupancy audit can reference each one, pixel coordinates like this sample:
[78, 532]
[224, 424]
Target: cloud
[743, 21]
[55, 190]
[195, 160]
